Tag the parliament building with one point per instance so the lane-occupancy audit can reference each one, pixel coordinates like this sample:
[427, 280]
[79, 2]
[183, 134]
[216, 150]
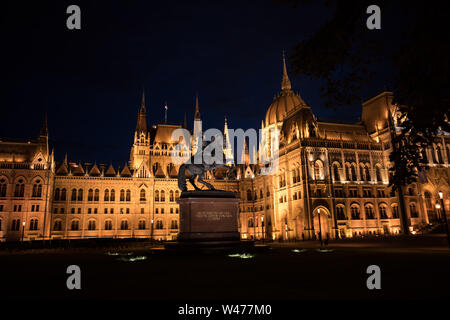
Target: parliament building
[332, 179]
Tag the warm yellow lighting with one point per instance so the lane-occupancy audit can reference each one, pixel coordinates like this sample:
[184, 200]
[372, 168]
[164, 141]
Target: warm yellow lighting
[441, 195]
[23, 223]
[438, 206]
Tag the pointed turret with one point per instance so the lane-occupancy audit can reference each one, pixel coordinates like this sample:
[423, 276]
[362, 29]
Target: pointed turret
[285, 82]
[197, 111]
[142, 117]
[125, 171]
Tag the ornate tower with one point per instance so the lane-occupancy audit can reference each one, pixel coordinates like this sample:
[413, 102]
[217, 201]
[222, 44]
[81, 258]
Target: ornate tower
[140, 151]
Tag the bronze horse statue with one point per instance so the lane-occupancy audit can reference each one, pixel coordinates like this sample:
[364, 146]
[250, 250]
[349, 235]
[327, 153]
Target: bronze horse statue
[198, 170]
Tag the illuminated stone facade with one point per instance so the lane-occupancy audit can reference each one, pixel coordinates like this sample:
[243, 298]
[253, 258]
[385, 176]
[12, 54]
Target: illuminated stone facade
[332, 178]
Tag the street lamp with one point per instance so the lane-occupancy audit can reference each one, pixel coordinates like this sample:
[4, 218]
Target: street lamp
[441, 196]
[151, 234]
[262, 228]
[320, 227]
[23, 229]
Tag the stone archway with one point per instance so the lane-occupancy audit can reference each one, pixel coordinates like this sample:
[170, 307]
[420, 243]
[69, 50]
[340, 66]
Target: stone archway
[322, 223]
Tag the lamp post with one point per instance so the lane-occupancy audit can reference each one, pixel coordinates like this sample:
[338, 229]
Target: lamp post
[262, 228]
[151, 233]
[441, 196]
[320, 227]
[23, 229]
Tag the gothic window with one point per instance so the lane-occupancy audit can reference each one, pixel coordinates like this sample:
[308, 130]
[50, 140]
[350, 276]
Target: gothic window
[80, 194]
[37, 189]
[395, 212]
[249, 195]
[3, 187]
[106, 198]
[318, 170]
[250, 222]
[122, 195]
[367, 171]
[433, 155]
[354, 177]
[91, 225]
[75, 225]
[20, 189]
[174, 224]
[15, 225]
[171, 197]
[413, 210]
[141, 225]
[163, 196]
[378, 172]
[57, 195]
[347, 172]
[74, 195]
[383, 214]
[128, 195]
[177, 195]
[97, 194]
[90, 195]
[33, 224]
[355, 212]
[108, 225]
[336, 172]
[57, 226]
[112, 196]
[156, 195]
[63, 194]
[439, 154]
[361, 172]
[142, 195]
[340, 214]
[369, 212]
[159, 224]
[261, 194]
[124, 225]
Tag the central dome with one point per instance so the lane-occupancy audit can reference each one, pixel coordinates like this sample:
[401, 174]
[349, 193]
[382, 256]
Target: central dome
[283, 103]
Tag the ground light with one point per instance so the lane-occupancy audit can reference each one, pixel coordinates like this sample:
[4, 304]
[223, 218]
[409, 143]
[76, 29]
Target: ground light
[299, 250]
[242, 255]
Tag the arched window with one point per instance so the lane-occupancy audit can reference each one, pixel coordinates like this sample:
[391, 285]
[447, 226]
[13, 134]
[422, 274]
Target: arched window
[37, 189]
[108, 225]
[395, 214]
[361, 172]
[33, 224]
[439, 154]
[336, 173]
[57, 195]
[80, 194]
[159, 224]
[142, 195]
[91, 195]
[378, 172]
[156, 196]
[413, 210]
[141, 225]
[75, 225]
[261, 193]
[63, 194]
[174, 224]
[20, 189]
[268, 192]
[163, 196]
[250, 222]
[355, 212]
[3, 187]
[249, 195]
[91, 225]
[57, 226]
[177, 195]
[318, 170]
[347, 172]
[340, 213]
[124, 225]
[128, 195]
[369, 212]
[367, 171]
[383, 214]
[171, 197]
[74, 195]
[97, 194]
[113, 195]
[354, 177]
[122, 195]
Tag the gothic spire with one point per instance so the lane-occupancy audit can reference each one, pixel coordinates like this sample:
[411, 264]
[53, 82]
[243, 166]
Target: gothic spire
[197, 112]
[285, 82]
[142, 116]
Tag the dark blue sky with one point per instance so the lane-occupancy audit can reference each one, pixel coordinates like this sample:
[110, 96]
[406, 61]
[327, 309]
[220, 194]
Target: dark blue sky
[90, 81]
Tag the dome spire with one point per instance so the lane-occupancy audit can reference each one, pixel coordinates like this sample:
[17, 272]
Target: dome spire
[285, 82]
[197, 111]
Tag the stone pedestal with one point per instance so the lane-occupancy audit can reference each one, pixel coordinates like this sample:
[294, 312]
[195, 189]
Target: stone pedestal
[208, 216]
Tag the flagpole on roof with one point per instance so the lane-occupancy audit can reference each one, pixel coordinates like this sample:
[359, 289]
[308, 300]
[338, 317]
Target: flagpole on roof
[165, 112]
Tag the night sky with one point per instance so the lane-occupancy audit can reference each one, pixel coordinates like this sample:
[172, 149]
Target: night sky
[90, 81]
